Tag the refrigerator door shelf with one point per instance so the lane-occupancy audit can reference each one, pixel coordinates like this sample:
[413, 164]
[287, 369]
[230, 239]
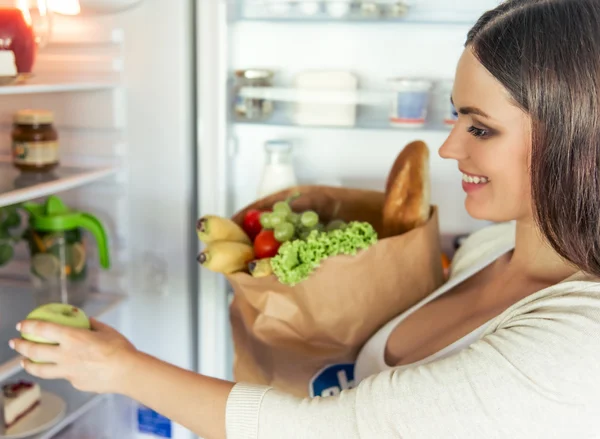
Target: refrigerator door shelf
[368, 11]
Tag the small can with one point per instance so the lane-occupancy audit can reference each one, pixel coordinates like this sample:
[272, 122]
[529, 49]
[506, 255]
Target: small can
[35, 145]
[248, 108]
[410, 102]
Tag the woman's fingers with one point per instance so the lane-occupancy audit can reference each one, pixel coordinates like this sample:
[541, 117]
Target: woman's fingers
[99, 326]
[45, 330]
[36, 351]
[41, 370]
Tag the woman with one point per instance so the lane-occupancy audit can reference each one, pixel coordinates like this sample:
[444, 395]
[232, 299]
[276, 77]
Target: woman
[510, 346]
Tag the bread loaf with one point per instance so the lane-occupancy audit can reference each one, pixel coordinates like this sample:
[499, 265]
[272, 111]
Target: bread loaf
[407, 192]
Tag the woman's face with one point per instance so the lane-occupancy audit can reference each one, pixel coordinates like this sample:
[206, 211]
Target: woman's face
[491, 143]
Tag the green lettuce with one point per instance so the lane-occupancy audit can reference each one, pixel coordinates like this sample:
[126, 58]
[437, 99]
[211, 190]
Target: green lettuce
[297, 259]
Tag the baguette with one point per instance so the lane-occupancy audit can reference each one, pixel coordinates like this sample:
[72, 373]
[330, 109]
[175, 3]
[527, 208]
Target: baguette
[407, 192]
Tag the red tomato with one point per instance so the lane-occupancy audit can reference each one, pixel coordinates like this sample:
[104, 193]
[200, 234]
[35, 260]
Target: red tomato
[251, 224]
[265, 245]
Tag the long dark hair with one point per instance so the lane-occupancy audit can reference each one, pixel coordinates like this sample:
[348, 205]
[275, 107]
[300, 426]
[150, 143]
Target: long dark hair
[546, 53]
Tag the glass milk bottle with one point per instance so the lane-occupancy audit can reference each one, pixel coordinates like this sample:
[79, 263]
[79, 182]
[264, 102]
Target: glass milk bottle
[278, 172]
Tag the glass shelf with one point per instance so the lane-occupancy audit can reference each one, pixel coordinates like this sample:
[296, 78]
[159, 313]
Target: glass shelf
[16, 187]
[33, 87]
[393, 11]
[363, 122]
[372, 108]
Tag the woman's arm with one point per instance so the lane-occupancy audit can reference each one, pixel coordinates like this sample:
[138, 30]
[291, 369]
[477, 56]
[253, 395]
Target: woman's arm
[103, 361]
[192, 400]
[537, 376]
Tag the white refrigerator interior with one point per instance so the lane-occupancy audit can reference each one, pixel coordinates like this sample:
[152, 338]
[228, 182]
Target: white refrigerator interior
[143, 95]
[122, 90]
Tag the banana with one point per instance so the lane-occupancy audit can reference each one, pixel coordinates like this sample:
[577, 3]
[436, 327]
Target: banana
[211, 228]
[226, 256]
[260, 267]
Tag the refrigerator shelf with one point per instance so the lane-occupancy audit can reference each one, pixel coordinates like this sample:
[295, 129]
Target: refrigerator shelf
[78, 403]
[372, 108]
[365, 11]
[317, 96]
[362, 123]
[33, 87]
[16, 187]
[16, 301]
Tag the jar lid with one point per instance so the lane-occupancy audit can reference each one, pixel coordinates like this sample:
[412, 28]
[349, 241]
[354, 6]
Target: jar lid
[33, 117]
[254, 73]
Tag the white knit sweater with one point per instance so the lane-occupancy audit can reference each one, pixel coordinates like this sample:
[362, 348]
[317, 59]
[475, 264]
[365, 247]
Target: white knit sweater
[535, 373]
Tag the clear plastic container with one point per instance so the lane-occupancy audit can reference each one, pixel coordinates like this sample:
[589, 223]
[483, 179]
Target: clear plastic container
[410, 102]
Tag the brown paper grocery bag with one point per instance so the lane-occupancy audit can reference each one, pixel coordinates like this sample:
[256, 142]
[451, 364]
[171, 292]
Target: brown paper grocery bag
[295, 337]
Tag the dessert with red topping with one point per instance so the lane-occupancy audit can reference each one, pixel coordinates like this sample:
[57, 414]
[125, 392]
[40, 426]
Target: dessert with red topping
[20, 398]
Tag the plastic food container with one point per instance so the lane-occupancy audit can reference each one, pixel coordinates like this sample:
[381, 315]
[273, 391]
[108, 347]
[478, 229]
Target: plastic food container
[410, 101]
[450, 115]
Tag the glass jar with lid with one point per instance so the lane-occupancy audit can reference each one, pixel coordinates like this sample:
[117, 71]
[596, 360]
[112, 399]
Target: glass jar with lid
[34, 141]
[253, 107]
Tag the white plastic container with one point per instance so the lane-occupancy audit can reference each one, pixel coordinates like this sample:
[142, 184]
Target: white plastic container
[280, 7]
[278, 172]
[338, 8]
[410, 102]
[325, 113]
[309, 7]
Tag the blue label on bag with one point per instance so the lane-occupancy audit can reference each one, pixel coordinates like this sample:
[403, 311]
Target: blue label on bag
[331, 380]
[153, 423]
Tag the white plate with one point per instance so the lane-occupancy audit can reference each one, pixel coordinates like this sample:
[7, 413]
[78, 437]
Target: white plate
[49, 412]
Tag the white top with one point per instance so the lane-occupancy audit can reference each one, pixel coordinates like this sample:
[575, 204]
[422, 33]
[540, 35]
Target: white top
[533, 374]
[371, 359]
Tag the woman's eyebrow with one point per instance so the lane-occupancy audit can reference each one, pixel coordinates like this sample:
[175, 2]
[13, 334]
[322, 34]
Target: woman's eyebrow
[471, 110]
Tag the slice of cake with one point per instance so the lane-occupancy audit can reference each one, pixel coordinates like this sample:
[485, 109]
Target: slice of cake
[20, 398]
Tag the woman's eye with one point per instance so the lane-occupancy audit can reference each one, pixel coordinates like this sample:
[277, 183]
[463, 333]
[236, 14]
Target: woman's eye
[478, 132]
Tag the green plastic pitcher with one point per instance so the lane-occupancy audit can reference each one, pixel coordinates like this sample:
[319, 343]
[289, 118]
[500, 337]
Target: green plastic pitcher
[58, 253]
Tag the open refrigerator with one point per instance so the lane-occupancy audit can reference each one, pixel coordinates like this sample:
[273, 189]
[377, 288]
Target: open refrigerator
[154, 131]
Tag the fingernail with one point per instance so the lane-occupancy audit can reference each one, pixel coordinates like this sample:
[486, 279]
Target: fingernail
[11, 343]
[19, 326]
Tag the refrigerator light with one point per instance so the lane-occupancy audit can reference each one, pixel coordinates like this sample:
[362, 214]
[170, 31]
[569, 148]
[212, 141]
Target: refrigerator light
[65, 7]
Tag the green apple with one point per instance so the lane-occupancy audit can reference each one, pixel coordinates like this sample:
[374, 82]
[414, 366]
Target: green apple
[59, 313]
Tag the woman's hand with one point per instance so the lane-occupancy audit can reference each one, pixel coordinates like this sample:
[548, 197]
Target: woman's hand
[93, 361]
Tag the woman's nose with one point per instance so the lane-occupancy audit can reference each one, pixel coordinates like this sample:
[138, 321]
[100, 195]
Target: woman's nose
[453, 147]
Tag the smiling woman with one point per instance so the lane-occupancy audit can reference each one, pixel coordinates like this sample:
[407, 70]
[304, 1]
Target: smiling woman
[491, 143]
[508, 347]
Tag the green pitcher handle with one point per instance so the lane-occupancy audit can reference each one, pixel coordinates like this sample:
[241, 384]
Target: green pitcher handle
[94, 226]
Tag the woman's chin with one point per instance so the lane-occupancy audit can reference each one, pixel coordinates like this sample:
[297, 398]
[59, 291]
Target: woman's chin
[478, 210]
[487, 212]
